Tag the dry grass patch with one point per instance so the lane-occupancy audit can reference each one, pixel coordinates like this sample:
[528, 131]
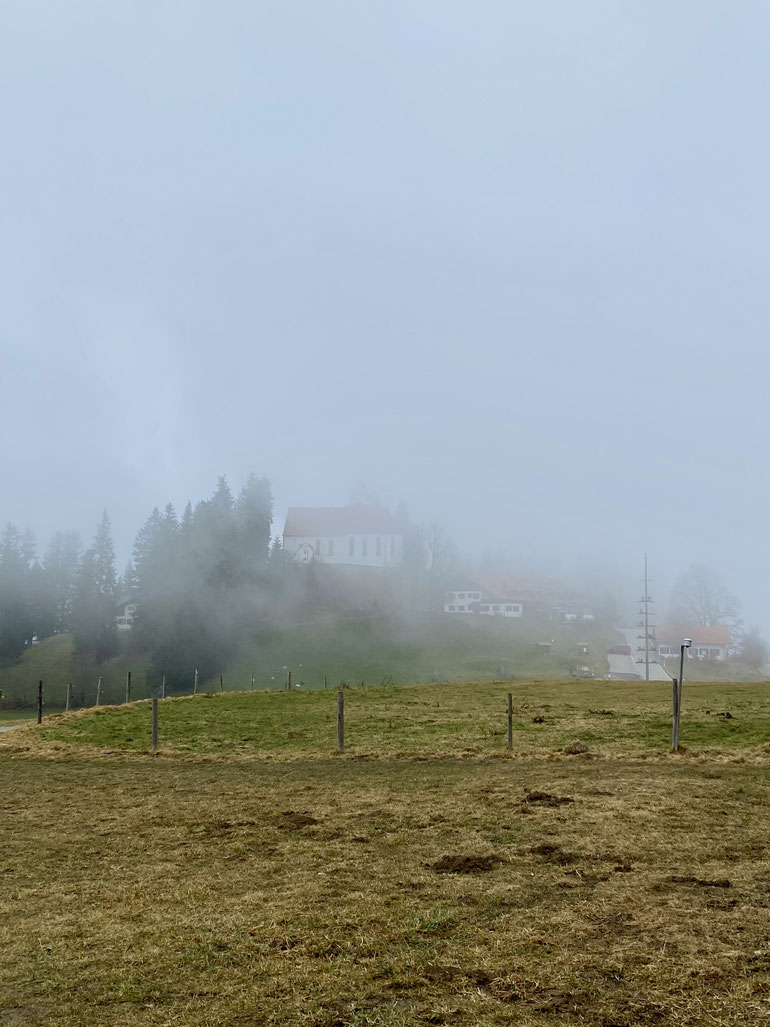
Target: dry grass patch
[336, 893]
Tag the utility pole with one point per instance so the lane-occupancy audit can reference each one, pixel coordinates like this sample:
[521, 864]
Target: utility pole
[644, 613]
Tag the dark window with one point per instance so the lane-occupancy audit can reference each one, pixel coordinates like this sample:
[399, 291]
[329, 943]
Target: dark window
[331, 547]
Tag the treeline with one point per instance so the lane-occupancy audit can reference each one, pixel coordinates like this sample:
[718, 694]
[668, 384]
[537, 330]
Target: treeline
[68, 589]
[201, 581]
[198, 581]
[205, 585]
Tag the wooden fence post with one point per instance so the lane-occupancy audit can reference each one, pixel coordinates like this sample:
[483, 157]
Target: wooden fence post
[40, 702]
[252, 682]
[288, 682]
[68, 699]
[154, 722]
[340, 721]
[195, 682]
[675, 721]
[510, 721]
[163, 688]
[98, 691]
[128, 686]
[221, 684]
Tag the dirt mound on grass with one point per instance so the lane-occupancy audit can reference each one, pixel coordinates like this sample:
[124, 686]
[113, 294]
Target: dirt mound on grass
[294, 821]
[465, 864]
[546, 799]
[575, 748]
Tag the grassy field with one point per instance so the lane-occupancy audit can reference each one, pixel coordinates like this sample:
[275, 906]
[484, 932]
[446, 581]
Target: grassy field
[608, 717]
[349, 893]
[15, 716]
[53, 662]
[247, 875]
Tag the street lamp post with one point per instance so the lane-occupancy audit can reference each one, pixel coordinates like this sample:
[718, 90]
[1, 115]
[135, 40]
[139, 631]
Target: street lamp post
[686, 643]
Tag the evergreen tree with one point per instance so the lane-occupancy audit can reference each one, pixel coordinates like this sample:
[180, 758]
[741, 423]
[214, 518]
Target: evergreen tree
[144, 544]
[93, 618]
[104, 559]
[186, 524]
[128, 585]
[255, 515]
[60, 565]
[16, 623]
[40, 605]
[199, 579]
[214, 539]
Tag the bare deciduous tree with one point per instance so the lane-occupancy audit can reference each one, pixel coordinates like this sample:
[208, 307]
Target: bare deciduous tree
[701, 597]
[439, 551]
[754, 650]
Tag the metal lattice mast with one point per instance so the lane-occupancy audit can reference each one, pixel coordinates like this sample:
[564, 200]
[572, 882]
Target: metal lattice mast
[644, 612]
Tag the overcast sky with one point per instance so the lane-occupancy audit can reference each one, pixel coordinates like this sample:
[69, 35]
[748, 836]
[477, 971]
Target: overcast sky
[506, 262]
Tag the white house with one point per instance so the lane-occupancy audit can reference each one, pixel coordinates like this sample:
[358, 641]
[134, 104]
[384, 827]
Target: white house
[344, 536]
[508, 597]
[573, 610]
[708, 643]
[489, 600]
[126, 610]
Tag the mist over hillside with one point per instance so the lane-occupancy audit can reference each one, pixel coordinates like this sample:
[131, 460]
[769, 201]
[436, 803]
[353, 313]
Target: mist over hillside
[505, 266]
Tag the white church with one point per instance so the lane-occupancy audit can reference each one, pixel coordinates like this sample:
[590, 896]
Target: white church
[344, 536]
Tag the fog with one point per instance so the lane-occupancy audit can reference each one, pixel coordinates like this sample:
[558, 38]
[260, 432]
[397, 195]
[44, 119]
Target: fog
[503, 262]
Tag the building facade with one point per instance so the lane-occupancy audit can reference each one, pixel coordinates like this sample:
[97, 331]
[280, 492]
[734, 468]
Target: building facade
[475, 598]
[708, 642]
[345, 536]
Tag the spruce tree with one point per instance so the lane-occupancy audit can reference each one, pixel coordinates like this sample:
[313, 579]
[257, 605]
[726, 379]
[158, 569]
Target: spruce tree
[254, 513]
[94, 624]
[16, 624]
[60, 565]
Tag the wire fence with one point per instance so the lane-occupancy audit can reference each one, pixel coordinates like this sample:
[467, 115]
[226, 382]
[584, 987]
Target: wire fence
[108, 691]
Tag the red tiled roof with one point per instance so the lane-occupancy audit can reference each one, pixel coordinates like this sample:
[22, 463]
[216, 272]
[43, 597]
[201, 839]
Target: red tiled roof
[672, 634]
[333, 521]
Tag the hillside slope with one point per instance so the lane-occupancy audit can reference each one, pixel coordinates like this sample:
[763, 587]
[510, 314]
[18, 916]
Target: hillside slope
[54, 663]
[423, 649]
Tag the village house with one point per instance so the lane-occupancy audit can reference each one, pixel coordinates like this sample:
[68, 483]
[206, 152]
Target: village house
[126, 611]
[507, 597]
[344, 536]
[490, 599]
[573, 610]
[708, 643]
